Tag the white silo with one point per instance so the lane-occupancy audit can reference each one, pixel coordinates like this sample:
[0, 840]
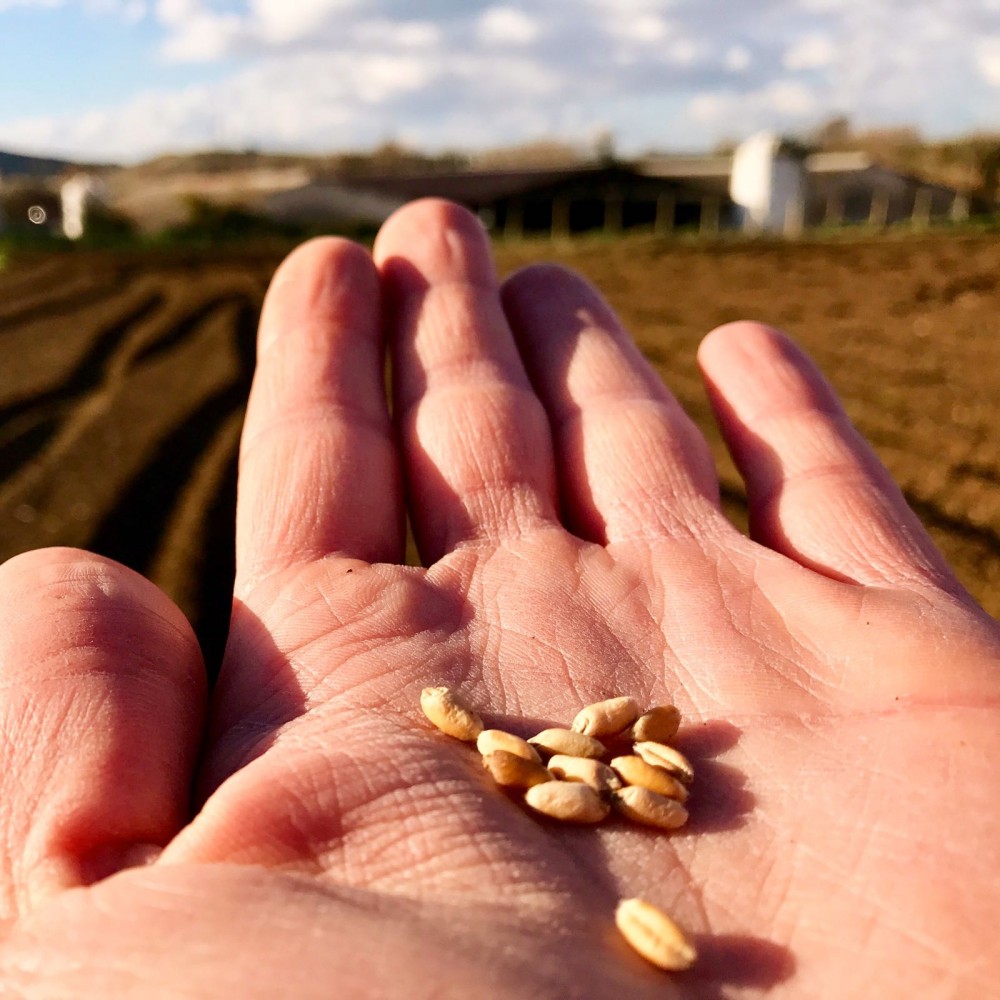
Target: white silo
[768, 183]
[79, 193]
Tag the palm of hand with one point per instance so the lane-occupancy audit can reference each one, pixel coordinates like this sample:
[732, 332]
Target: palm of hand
[334, 806]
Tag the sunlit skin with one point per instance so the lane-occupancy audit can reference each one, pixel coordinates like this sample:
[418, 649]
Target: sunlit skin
[305, 833]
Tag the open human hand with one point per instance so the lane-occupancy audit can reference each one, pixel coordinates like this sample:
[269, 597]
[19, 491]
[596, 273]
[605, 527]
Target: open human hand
[309, 835]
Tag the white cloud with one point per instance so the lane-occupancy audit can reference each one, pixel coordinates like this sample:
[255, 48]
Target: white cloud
[174, 12]
[278, 21]
[780, 104]
[988, 60]
[316, 101]
[626, 9]
[341, 73]
[684, 51]
[646, 29]
[202, 37]
[790, 99]
[507, 26]
[737, 58]
[811, 52]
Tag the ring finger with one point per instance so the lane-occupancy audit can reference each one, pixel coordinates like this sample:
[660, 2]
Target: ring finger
[632, 462]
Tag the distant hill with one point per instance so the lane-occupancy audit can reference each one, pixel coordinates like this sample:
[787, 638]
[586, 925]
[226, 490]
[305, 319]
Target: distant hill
[19, 165]
[16, 165]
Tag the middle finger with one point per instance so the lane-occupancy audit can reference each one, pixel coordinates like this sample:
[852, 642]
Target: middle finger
[475, 437]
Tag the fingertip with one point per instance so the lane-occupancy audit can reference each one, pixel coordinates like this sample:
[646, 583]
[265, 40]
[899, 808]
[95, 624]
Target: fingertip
[759, 369]
[432, 240]
[41, 585]
[317, 257]
[314, 280]
[67, 567]
[741, 340]
[542, 276]
[319, 250]
[537, 285]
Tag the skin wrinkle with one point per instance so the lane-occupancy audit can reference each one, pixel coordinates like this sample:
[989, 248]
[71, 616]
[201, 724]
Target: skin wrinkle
[342, 610]
[609, 639]
[820, 412]
[476, 413]
[679, 650]
[928, 943]
[917, 562]
[323, 415]
[494, 641]
[190, 679]
[369, 691]
[805, 651]
[914, 567]
[769, 871]
[286, 534]
[423, 803]
[568, 414]
[617, 605]
[500, 691]
[690, 479]
[647, 519]
[430, 848]
[486, 386]
[320, 381]
[641, 683]
[454, 368]
[483, 524]
[573, 594]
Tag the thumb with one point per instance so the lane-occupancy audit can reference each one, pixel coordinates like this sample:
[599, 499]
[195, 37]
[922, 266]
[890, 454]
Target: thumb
[102, 697]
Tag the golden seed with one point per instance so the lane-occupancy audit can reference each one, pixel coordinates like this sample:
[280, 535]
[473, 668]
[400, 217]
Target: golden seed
[606, 718]
[570, 801]
[659, 724]
[666, 757]
[566, 741]
[591, 772]
[450, 714]
[635, 771]
[513, 771]
[496, 739]
[654, 935]
[649, 808]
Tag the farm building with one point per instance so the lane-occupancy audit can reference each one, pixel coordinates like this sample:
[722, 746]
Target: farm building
[514, 202]
[852, 187]
[768, 185]
[836, 188]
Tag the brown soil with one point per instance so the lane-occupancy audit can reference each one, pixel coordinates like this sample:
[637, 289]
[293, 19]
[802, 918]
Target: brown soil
[125, 378]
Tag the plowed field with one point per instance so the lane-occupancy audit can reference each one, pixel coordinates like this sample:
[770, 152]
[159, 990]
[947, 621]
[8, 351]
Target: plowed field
[125, 376]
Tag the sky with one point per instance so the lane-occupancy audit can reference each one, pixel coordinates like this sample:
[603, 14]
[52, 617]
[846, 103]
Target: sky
[124, 80]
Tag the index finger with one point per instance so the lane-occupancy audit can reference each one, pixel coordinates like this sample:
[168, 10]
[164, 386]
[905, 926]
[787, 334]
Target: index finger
[318, 468]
